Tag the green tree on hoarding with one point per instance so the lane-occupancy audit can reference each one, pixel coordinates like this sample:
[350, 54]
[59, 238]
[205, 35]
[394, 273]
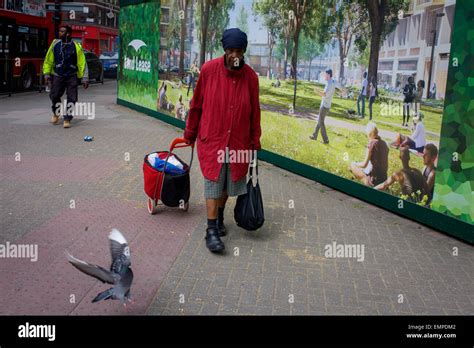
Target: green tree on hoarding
[346, 21]
[242, 20]
[304, 13]
[383, 18]
[278, 21]
[173, 32]
[309, 49]
[183, 9]
[282, 51]
[271, 21]
[218, 20]
[361, 56]
[202, 22]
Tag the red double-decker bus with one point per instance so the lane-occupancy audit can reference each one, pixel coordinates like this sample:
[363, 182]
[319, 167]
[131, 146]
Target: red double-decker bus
[24, 40]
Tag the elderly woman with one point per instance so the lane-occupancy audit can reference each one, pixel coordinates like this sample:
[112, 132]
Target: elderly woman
[224, 115]
[373, 170]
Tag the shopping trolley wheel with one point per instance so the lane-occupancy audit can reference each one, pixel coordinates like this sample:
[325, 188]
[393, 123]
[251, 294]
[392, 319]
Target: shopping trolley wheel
[186, 206]
[151, 205]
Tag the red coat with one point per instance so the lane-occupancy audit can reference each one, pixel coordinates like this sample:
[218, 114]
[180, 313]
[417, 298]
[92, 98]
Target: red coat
[224, 111]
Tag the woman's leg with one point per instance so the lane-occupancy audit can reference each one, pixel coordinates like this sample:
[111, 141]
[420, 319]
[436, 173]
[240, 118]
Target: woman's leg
[357, 172]
[408, 113]
[404, 113]
[372, 99]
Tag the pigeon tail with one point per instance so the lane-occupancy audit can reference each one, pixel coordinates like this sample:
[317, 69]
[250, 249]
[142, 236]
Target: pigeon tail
[105, 295]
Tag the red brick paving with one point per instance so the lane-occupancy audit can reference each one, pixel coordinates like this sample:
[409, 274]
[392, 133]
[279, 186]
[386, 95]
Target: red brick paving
[56, 169]
[45, 286]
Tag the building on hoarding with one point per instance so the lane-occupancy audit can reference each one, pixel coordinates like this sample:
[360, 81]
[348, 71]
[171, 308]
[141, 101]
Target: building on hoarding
[407, 50]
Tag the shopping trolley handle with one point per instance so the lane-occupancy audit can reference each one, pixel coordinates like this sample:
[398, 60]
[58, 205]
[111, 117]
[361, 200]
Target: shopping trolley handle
[176, 144]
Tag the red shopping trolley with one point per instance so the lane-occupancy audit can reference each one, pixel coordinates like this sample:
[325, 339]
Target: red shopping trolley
[165, 184]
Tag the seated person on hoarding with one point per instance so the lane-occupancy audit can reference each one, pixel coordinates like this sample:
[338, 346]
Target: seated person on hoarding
[430, 155]
[180, 109]
[373, 170]
[411, 180]
[163, 98]
[417, 140]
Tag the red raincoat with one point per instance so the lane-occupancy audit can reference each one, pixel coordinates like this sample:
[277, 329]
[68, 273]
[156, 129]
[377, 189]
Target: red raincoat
[224, 112]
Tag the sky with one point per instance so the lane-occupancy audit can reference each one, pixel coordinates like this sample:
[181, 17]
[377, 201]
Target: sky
[257, 32]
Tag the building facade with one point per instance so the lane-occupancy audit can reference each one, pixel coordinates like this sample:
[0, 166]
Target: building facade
[407, 51]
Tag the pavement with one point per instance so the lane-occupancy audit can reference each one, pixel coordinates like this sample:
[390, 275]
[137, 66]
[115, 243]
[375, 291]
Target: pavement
[59, 192]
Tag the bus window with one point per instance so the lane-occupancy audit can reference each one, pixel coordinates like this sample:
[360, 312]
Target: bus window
[31, 40]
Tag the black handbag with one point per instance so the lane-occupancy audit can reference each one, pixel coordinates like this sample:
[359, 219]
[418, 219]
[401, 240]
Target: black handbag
[248, 211]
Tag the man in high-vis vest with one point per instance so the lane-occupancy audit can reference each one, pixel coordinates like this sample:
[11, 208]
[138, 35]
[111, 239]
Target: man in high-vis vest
[64, 65]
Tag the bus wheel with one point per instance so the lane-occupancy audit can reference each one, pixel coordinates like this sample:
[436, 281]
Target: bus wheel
[27, 78]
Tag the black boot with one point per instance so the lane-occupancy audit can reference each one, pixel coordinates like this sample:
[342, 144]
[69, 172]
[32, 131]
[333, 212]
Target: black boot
[213, 241]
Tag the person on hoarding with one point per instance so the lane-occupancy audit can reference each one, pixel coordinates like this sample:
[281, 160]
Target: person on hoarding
[373, 170]
[420, 88]
[362, 96]
[325, 107]
[193, 75]
[417, 140]
[430, 154]
[224, 117]
[373, 94]
[411, 180]
[64, 64]
[409, 96]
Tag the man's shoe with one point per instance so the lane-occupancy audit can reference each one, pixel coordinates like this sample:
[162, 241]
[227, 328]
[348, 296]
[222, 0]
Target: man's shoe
[54, 119]
[312, 137]
[222, 230]
[67, 124]
[213, 242]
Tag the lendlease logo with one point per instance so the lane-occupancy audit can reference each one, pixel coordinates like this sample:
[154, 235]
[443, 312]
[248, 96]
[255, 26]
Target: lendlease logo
[137, 44]
[135, 63]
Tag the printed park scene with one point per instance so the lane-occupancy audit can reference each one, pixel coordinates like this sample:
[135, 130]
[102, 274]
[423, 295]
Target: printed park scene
[382, 75]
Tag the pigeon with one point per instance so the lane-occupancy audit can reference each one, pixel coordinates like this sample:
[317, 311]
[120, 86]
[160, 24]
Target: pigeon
[120, 274]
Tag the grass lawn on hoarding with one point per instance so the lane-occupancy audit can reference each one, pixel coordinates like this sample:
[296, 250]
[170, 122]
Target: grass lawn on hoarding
[307, 98]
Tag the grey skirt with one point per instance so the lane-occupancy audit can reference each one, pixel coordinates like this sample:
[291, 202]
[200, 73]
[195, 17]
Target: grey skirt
[214, 189]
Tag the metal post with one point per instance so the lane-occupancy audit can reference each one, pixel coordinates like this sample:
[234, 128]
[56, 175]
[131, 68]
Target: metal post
[57, 17]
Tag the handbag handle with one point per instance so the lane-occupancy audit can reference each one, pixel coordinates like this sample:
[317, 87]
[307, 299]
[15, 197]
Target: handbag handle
[251, 167]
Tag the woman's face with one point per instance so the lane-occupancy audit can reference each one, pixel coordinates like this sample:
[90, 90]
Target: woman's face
[233, 57]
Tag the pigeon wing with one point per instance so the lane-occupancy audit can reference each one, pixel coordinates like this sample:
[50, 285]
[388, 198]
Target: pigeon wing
[118, 244]
[97, 272]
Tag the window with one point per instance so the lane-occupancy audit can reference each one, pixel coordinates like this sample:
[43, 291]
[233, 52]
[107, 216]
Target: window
[31, 40]
[388, 65]
[407, 65]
